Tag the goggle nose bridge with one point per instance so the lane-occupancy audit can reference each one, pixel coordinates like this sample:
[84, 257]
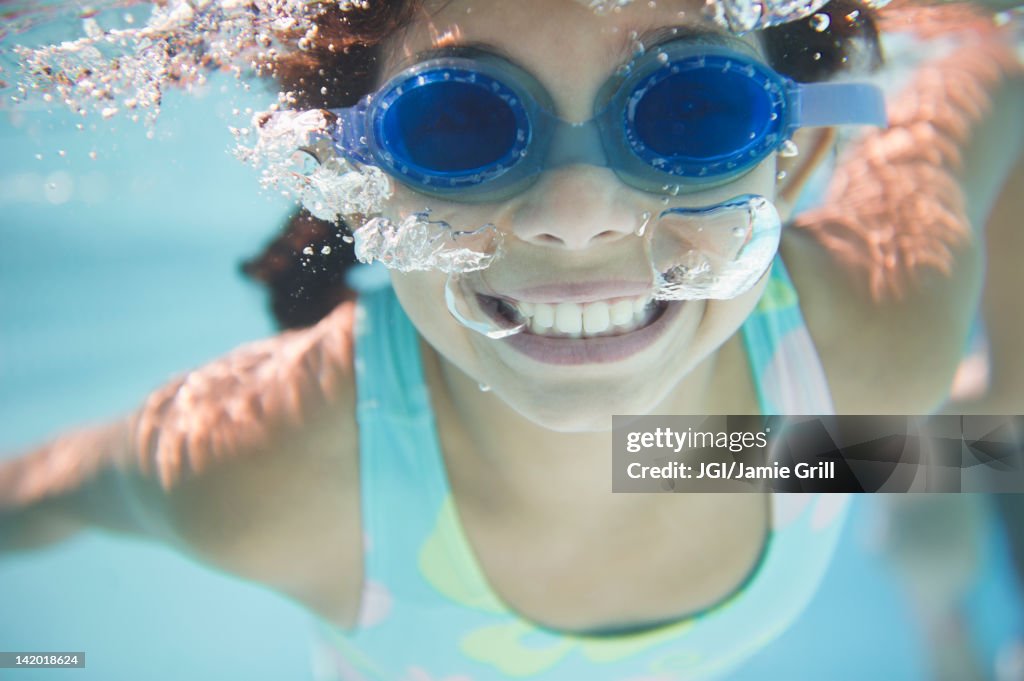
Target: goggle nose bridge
[575, 144]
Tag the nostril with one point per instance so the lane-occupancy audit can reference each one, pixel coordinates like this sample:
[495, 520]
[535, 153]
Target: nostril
[550, 239]
[555, 240]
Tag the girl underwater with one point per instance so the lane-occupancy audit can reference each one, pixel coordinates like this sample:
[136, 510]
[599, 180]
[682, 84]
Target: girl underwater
[360, 439]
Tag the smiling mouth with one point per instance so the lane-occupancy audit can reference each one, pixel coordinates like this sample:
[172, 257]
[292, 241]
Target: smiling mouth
[573, 321]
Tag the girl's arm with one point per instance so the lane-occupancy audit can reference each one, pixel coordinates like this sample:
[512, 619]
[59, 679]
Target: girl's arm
[1004, 300]
[905, 215]
[199, 464]
[86, 477]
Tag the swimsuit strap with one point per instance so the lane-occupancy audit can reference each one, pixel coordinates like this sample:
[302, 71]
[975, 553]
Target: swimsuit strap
[398, 452]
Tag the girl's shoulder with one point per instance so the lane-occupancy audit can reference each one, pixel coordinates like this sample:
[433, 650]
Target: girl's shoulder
[258, 454]
[262, 395]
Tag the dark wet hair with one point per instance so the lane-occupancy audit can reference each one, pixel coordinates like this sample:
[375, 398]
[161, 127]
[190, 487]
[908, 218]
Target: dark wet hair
[341, 65]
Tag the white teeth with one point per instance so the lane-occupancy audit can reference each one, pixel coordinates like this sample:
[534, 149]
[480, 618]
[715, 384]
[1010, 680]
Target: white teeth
[543, 318]
[602, 317]
[595, 318]
[622, 313]
[568, 318]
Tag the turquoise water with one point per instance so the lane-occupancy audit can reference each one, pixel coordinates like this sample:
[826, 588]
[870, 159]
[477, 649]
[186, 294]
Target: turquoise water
[120, 271]
[105, 295]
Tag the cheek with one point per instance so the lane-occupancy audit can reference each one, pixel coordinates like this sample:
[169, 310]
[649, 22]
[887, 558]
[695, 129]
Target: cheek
[422, 297]
[723, 318]
[761, 180]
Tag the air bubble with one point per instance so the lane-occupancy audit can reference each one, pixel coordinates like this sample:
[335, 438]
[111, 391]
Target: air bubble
[713, 252]
[639, 49]
[820, 22]
[741, 16]
[789, 149]
[484, 388]
[92, 29]
[464, 295]
[326, 250]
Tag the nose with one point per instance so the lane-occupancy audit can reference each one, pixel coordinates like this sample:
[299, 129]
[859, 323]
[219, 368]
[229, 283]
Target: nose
[576, 207]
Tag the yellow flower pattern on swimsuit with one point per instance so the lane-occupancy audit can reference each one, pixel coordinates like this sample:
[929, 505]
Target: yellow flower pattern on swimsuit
[505, 646]
[778, 295]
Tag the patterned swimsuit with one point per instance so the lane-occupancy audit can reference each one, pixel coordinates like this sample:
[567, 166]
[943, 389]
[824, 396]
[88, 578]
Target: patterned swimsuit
[428, 612]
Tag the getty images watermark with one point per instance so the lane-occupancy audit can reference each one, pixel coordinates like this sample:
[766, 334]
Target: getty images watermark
[817, 454]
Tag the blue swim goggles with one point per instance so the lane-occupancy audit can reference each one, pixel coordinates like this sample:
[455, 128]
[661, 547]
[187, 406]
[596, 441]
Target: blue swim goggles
[686, 116]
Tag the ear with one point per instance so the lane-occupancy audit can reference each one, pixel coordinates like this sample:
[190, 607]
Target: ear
[814, 145]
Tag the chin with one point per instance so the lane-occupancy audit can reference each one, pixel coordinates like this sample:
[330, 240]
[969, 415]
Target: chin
[587, 412]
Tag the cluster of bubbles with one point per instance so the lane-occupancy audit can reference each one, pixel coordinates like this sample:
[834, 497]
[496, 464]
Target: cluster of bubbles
[605, 6]
[126, 70]
[293, 153]
[418, 243]
[115, 71]
[741, 16]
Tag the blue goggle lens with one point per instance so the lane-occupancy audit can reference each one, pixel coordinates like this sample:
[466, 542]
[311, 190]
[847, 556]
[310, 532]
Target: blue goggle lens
[449, 127]
[701, 114]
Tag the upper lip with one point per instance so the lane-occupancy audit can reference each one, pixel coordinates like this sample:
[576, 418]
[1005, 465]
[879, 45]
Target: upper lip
[576, 292]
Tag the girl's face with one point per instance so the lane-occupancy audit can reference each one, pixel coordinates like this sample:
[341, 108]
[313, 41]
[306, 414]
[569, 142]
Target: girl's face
[571, 237]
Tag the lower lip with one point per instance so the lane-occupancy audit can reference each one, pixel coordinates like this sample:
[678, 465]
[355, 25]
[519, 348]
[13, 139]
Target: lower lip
[599, 350]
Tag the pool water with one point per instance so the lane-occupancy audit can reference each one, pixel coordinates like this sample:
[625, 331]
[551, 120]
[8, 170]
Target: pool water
[118, 270]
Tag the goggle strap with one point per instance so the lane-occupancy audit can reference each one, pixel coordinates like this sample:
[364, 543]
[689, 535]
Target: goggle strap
[828, 104]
